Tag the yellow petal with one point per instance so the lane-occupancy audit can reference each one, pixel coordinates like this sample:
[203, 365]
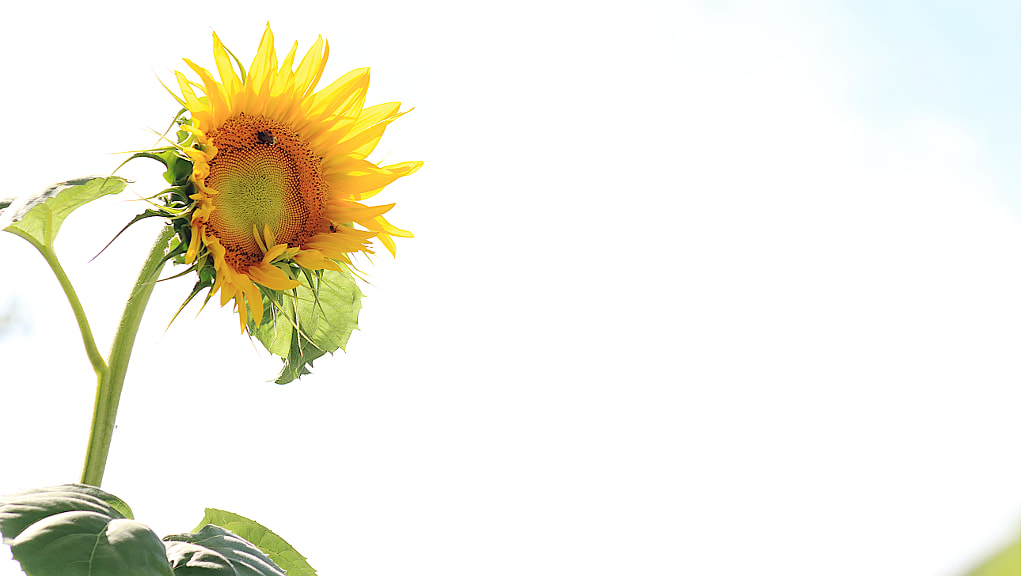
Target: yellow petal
[200, 114]
[285, 76]
[255, 299]
[362, 140]
[348, 211]
[265, 61]
[274, 253]
[271, 276]
[344, 237]
[314, 260]
[193, 246]
[225, 67]
[344, 95]
[242, 316]
[379, 223]
[227, 292]
[388, 243]
[358, 179]
[311, 68]
[268, 235]
[220, 108]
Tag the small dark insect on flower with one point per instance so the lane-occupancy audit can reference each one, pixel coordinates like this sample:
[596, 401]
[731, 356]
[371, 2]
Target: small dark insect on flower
[266, 137]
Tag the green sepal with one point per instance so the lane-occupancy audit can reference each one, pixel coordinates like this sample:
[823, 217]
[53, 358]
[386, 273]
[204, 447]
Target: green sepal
[179, 166]
[275, 547]
[177, 250]
[314, 319]
[207, 277]
[149, 213]
[177, 198]
[38, 217]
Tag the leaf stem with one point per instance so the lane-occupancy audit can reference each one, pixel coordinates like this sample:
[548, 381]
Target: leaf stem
[95, 358]
[108, 391]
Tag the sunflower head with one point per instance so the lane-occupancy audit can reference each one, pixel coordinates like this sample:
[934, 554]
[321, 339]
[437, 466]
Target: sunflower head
[271, 210]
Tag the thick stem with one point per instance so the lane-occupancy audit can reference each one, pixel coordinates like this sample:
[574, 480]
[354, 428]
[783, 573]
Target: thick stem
[108, 392]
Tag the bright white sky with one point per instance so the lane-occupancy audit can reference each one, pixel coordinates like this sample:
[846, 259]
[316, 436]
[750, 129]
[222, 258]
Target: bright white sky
[697, 288]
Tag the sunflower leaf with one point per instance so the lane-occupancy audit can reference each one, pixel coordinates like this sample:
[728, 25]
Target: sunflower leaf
[78, 529]
[318, 320]
[275, 547]
[38, 217]
[50, 530]
[214, 550]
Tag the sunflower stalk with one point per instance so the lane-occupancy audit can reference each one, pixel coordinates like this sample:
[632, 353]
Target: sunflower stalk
[108, 391]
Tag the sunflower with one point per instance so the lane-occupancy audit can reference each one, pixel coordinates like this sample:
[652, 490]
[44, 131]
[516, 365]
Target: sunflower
[279, 171]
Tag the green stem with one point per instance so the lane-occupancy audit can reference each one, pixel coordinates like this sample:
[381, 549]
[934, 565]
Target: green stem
[83, 324]
[108, 392]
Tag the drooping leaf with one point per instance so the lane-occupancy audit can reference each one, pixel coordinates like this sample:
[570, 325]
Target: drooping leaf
[275, 547]
[214, 550]
[76, 529]
[38, 217]
[317, 321]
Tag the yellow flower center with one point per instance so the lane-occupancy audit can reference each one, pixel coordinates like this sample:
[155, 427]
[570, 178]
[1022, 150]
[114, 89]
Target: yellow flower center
[264, 174]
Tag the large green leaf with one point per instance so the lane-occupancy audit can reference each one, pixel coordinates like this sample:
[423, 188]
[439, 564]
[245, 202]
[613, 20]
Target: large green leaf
[37, 217]
[77, 530]
[318, 320]
[74, 529]
[271, 544]
[215, 550]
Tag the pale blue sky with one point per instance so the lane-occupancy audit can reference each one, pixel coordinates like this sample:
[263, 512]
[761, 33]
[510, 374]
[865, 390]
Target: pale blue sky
[896, 60]
[946, 57]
